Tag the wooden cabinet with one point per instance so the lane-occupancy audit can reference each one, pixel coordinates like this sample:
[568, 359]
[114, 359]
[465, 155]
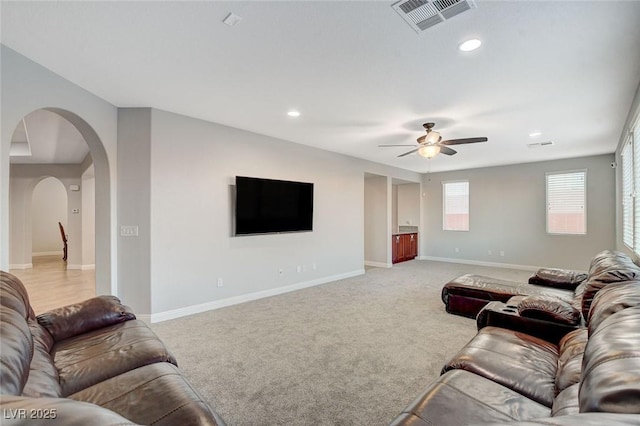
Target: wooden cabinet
[404, 247]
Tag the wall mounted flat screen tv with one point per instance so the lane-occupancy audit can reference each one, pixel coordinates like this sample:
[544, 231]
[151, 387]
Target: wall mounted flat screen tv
[269, 206]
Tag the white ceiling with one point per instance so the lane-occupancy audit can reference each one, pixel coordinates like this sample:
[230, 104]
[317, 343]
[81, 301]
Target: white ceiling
[359, 75]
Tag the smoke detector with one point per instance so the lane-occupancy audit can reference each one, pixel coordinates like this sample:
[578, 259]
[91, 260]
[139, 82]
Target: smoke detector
[423, 14]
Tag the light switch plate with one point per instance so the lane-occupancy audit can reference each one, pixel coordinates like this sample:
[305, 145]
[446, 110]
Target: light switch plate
[129, 231]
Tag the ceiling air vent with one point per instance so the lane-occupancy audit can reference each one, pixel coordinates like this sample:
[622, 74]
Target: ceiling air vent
[423, 14]
[539, 144]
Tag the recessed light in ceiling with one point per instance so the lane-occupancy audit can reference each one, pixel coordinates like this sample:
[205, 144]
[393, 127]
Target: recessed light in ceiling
[469, 45]
[534, 134]
[293, 114]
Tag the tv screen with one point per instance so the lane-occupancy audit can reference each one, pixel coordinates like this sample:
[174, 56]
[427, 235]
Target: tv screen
[268, 205]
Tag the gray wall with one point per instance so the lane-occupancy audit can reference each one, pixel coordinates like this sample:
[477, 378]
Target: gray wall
[26, 87]
[409, 204]
[377, 235]
[134, 198]
[24, 178]
[507, 213]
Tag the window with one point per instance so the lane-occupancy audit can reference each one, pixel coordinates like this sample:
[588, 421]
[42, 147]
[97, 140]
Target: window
[566, 203]
[630, 186]
[455, 205]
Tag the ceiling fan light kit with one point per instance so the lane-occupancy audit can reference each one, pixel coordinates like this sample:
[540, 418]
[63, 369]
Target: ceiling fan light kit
[431, 144]
[429, 151]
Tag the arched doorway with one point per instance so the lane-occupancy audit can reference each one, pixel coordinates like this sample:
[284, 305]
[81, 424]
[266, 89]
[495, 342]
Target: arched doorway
[89, 176]
[49, 204]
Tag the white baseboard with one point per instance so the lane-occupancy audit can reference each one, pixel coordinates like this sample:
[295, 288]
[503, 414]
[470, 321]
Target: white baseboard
[47, 253]
[481, 263]
[21, 266]
[70, 266]
[377, 264]
[217, 304]
[88, 267]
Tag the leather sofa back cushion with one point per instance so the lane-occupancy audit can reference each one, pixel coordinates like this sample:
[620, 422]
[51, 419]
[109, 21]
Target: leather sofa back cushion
[14, 295]
[606, 268]
[611, 365]
[86, 316]
[571, 350]
[612, 299]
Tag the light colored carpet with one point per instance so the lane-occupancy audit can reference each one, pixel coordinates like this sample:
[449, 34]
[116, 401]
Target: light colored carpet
[351, 352]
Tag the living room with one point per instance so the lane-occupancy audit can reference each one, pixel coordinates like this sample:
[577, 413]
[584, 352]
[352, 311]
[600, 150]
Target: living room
[170, 172]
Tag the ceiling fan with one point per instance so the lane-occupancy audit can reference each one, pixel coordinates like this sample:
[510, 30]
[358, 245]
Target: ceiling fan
[431, 144]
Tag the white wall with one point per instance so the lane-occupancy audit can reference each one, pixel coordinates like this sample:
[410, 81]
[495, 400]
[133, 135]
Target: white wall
[26, 87]
[49, 206]
[507, 213]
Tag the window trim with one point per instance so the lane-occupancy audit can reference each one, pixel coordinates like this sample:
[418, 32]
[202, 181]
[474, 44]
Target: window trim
[444, 204]
[632, 140]
[546, 198]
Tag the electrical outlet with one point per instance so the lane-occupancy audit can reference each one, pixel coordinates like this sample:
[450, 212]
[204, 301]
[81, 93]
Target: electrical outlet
[501, 253]
[314, 266]
[489, 252]
[457, 250]
[220, 284]
[299, 268]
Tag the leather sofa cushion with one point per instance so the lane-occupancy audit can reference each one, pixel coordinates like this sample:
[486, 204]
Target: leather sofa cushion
[14, 295]
[523, 363]
[154, 394]
[558, 278]
[93, 357]
[571, 351]
[612, 299]
[548, 308]
[611, 365]
[493, 289]
[16, 347]
[566, 403]
[43, 378]
[91, 314]
[463, 398]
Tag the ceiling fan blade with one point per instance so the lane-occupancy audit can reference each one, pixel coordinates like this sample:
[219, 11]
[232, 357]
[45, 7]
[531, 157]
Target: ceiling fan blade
[385, 146]
[461, 141]
[446, 150]
[409, 152]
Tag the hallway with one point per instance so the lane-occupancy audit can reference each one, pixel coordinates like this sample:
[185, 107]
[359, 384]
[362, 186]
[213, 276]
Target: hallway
[50, 285]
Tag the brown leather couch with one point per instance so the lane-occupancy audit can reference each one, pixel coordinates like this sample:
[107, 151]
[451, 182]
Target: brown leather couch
[503, 376]
[91, 363]
[468, 294]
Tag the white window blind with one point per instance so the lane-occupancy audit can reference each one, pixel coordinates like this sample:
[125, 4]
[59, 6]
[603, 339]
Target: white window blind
[566, 203]
[628, 194]
[456, 206]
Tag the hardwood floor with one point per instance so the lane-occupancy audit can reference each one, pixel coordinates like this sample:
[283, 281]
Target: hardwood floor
[50, 285]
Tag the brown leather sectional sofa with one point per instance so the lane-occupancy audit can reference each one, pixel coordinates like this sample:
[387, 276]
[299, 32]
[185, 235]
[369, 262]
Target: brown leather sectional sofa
[589, 376]
[92, 363]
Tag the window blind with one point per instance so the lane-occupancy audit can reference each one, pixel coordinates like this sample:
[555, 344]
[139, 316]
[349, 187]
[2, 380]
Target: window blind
[455, 206]
[566, 203]
[627, 194]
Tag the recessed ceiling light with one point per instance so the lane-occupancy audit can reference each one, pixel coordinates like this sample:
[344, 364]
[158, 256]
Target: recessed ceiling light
[534, 134]
[293, 114]
[469, 45]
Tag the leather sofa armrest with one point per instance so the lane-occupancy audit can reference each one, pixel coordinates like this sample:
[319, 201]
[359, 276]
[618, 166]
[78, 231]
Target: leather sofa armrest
[83, 317]
[557, 278]
[498, 314]
[20, 410]
[549, 309]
